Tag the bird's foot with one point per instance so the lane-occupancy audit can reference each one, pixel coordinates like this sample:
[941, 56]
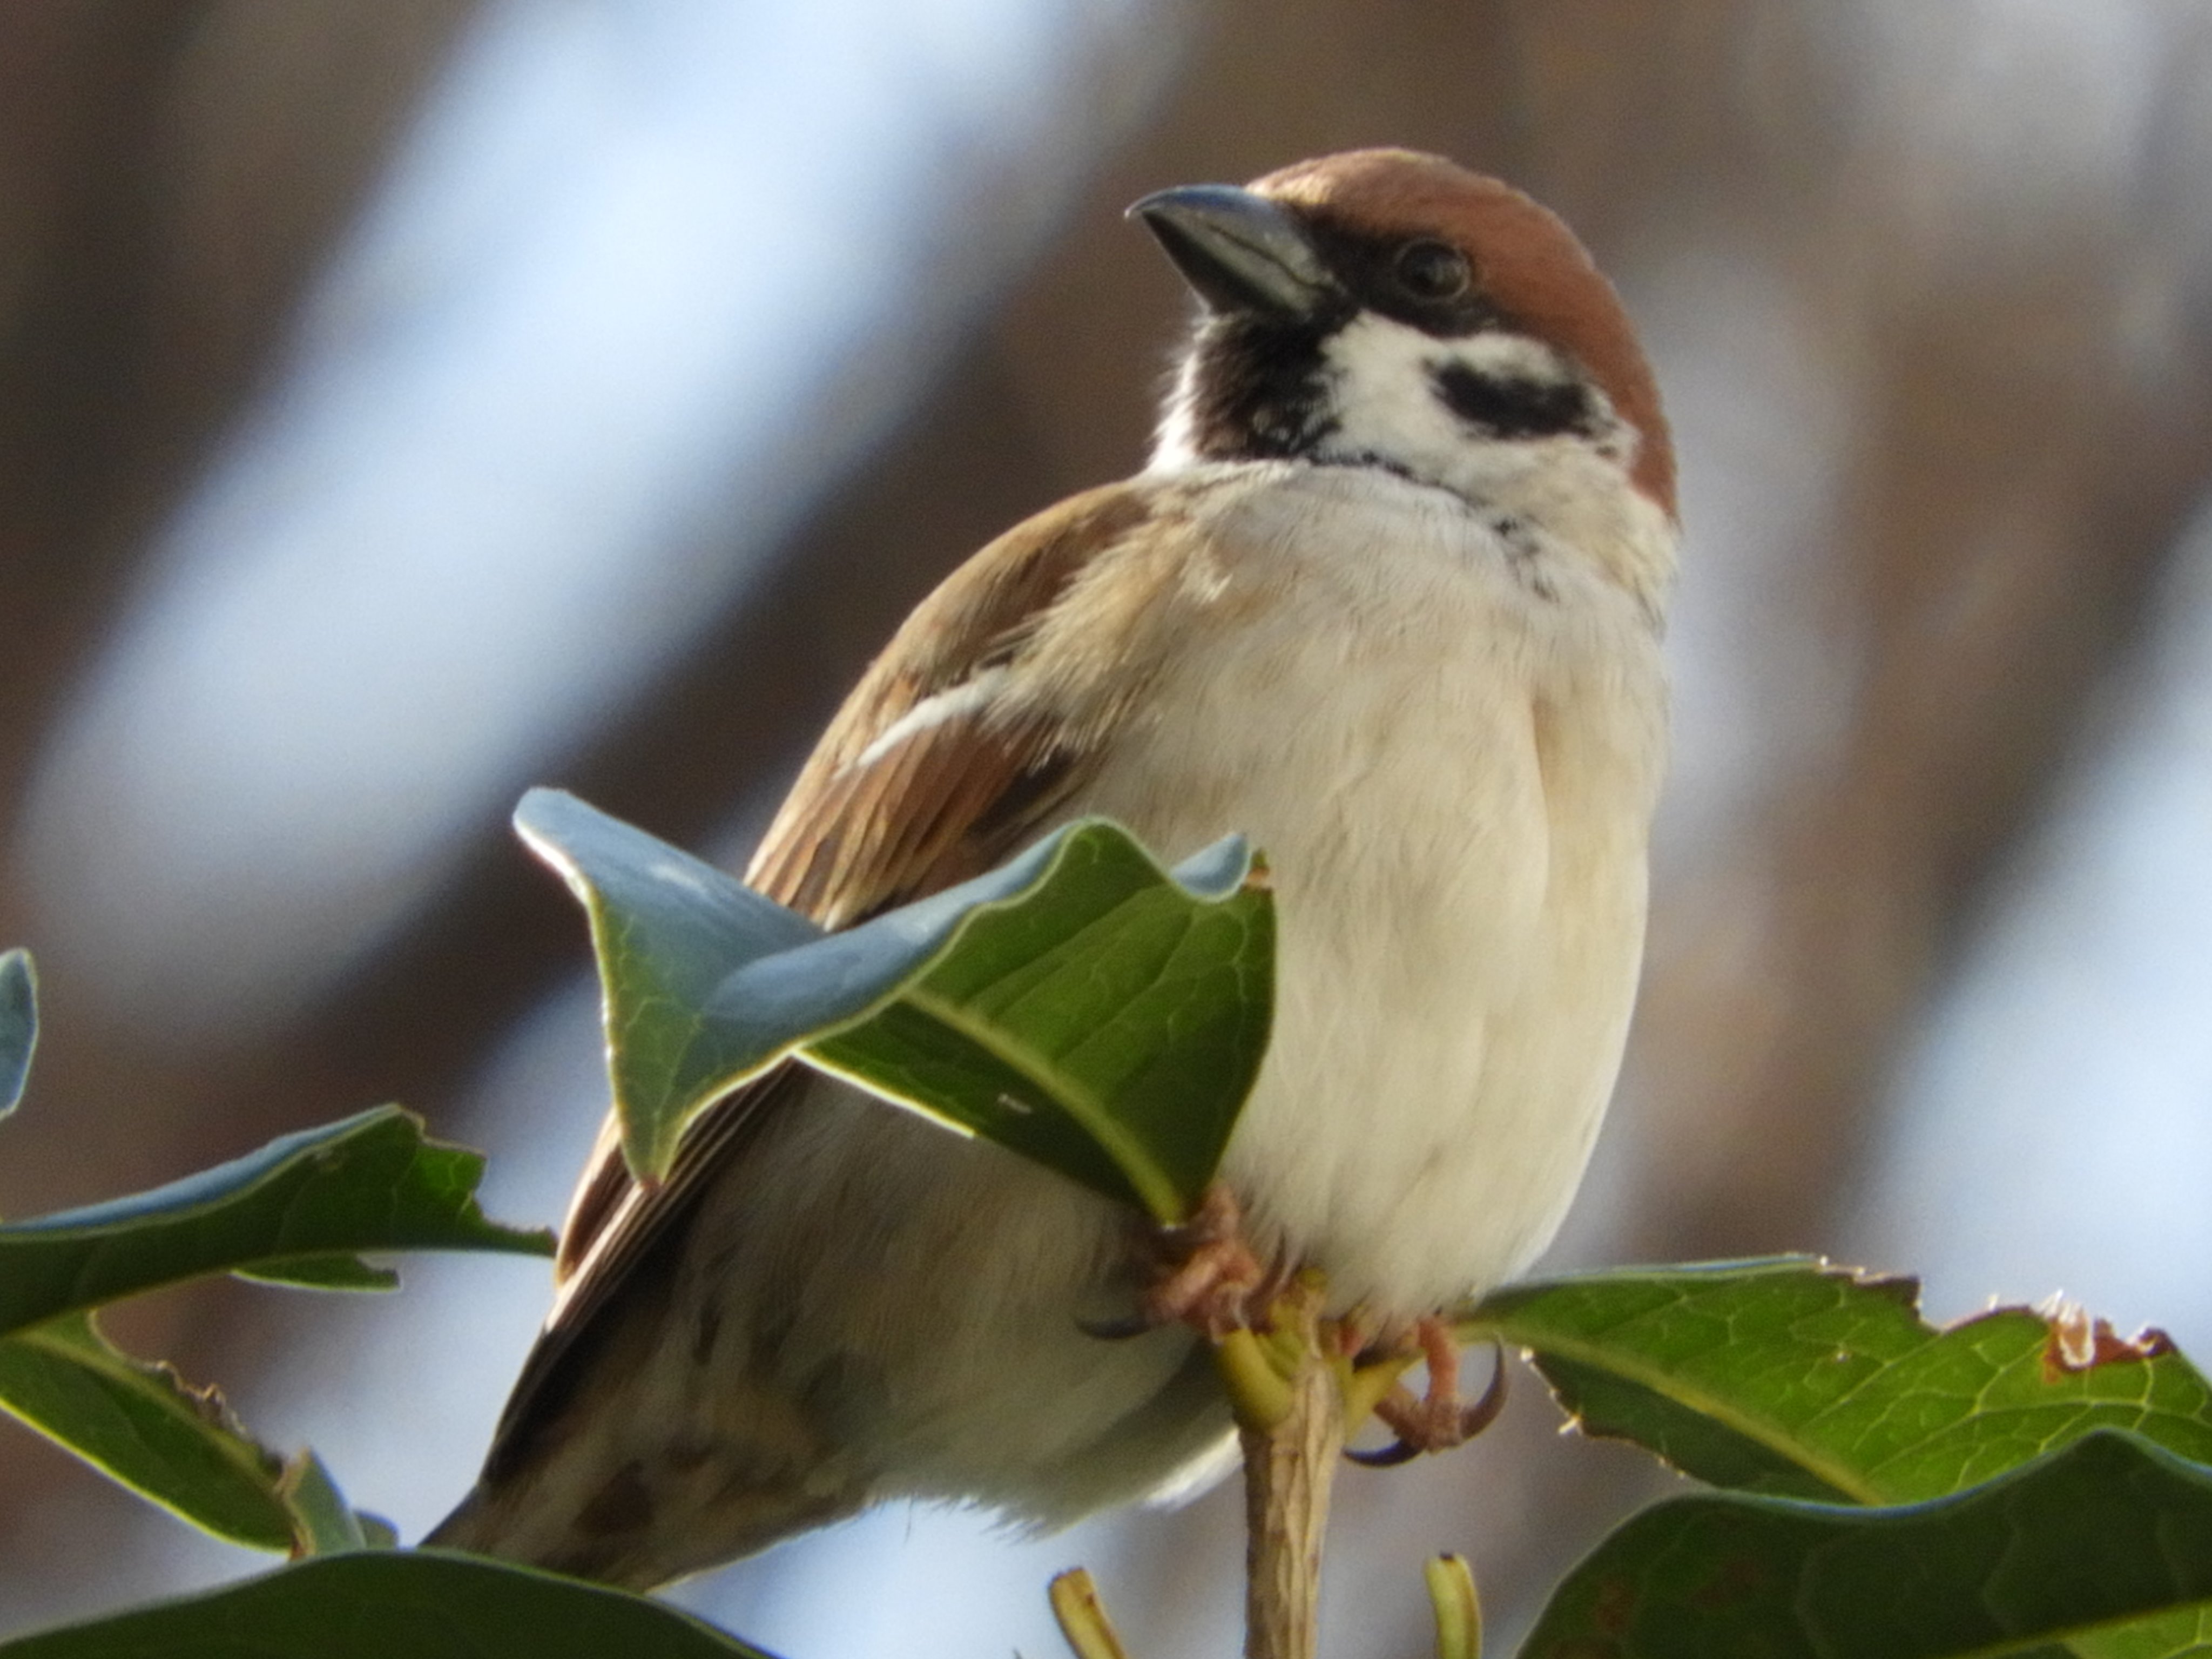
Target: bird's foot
[1439, 1419]
[1203, 1273]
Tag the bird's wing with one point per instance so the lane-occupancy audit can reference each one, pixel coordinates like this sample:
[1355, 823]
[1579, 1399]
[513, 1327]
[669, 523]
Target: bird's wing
[925, 778]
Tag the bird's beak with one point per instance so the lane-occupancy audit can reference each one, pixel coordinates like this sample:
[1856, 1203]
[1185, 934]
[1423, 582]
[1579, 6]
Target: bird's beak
[1239, 252]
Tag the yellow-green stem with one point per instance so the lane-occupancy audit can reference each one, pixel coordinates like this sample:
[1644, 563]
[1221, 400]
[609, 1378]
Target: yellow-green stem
[1259, 1389]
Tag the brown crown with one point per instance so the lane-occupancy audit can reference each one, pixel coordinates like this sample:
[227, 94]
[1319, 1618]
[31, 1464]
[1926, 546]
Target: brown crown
[1529, 264]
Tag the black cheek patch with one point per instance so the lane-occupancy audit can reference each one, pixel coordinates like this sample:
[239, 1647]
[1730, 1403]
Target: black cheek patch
[1514, 406]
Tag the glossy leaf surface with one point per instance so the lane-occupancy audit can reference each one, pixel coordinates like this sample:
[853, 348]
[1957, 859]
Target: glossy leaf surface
[142, 1424]
[1079, 1004]
[1794, 1377]
[299, 1209]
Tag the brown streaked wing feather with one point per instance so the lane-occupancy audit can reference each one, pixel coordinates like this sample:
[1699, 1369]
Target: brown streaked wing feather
[849, 842]
[949, 802]
[605, 1179]
[633, 1221]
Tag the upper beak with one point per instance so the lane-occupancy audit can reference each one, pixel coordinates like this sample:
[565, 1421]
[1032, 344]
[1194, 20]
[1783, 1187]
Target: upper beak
[1239, 252]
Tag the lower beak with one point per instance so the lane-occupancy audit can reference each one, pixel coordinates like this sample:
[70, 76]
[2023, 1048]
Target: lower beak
[1239, 252]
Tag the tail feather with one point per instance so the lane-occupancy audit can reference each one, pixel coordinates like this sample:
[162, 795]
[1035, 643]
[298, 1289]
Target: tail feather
[633, 1533]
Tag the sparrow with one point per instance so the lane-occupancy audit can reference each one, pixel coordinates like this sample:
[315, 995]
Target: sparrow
[1387, 599]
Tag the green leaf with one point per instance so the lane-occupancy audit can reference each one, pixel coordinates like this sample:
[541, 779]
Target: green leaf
[177, 1446]
[369, 1182]
[2106, 1545]
[2183, 1635]
[331, 1270]
[1107, 1022]
[421, 1604]
[322, 1522]
[1793, 1377]
[1079, 1004]
[19, 1025]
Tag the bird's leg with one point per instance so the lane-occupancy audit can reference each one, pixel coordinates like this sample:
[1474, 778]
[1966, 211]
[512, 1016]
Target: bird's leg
[1202, 1272]
[1440, 1419]
[1212, 1278]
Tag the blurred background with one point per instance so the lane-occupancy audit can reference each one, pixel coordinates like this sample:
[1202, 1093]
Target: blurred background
[403, 402]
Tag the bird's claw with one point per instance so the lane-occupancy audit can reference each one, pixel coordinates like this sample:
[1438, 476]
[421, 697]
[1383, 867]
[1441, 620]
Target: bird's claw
[1440, 1419]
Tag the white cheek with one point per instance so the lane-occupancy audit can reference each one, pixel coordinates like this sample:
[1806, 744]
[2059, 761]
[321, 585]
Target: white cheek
[1389, 410]
[1387, 405]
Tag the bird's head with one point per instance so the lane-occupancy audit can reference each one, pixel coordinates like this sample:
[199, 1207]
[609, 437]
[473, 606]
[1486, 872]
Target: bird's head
[1388, 309]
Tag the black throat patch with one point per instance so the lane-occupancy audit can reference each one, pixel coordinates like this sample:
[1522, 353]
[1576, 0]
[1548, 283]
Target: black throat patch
[1261, 388]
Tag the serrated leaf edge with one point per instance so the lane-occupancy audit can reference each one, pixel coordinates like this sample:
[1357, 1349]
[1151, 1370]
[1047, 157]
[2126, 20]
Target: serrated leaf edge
[76, 1339]
[1471, 1325]
[1669, 1386]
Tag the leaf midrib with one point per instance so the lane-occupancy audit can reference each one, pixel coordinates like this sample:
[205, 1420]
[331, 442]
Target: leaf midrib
[1154, 1189]
[1669, 1386]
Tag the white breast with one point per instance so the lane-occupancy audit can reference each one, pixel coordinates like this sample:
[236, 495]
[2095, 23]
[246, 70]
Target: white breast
[1448, 743]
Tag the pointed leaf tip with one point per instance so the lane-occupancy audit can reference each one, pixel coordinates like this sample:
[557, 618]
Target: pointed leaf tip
[667, 929]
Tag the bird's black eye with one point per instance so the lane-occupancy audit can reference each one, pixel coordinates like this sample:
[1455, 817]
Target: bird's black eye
[1433, 270]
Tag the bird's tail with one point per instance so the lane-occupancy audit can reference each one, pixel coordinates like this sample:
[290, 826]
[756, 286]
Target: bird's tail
[638, 1512]
[624, 1538]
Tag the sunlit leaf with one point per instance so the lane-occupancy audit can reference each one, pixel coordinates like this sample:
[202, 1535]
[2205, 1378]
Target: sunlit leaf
[177, 1446]
[334, 1270]
[2105, 1545]
[174, 1445]
[369, 1182]
[1079, 1004]
[2186, 1634]
[1794, 1377]
[322, 1521]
